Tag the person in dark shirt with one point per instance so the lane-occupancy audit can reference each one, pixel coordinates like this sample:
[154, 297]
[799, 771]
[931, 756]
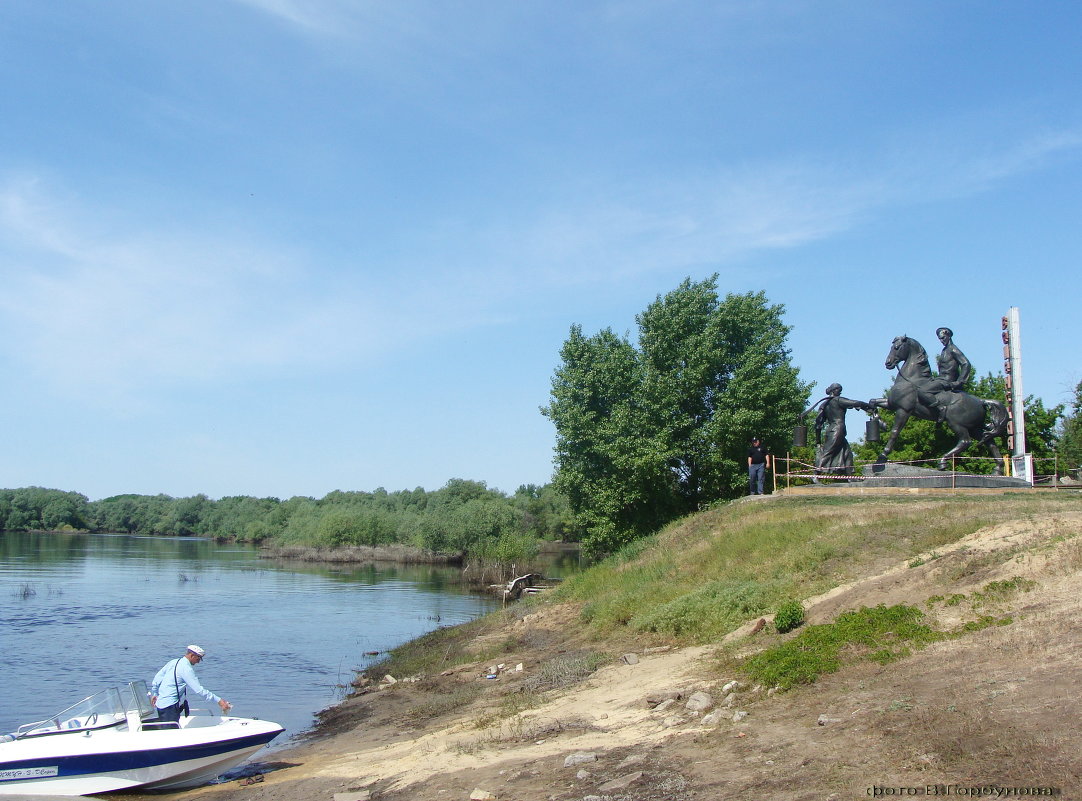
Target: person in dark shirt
[758, 464]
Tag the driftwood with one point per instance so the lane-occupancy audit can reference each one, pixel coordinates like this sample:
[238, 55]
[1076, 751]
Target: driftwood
[530, 584]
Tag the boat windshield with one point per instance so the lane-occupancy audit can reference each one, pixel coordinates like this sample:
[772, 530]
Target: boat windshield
[106, 708]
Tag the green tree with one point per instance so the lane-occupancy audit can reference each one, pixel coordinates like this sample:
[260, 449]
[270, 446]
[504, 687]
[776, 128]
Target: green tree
[606, 467]
[718, 372]
[1040, 422]
[1069, 439]
[645, 434]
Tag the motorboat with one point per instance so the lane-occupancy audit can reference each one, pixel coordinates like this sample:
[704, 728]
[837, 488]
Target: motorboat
[113, 741]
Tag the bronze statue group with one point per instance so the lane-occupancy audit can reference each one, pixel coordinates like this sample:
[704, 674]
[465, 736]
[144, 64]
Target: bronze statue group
[916, 392]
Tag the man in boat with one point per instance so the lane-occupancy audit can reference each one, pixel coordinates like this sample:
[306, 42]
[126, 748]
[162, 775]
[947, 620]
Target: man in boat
[169, 690]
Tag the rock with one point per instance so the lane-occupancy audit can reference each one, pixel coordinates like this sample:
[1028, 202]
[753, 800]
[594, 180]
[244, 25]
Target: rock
[729, 700]
[824, 720]
[579, 758]
[630, 659]
[481, 795]
[739, 715]
[583, 774]
[518, 668]
[664, 705]
[621, 783]
[388, 679]
[699, 702]
[628, 761]
[713, 718]
[672, 721]
[492, 669]
[353, 795]
[656, 699]
[732, 687]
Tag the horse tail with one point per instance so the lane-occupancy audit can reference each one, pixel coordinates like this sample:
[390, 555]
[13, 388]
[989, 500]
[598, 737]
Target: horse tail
[995, 424]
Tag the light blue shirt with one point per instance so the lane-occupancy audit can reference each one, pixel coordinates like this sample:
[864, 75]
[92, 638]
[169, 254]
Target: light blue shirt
[174, 680]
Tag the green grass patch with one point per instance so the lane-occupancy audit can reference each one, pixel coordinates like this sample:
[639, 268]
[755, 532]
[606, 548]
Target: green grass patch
[432, 652]
[984, 621]
[882, 634]
[709, 610]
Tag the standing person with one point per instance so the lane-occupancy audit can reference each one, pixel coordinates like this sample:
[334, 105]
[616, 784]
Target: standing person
[169, 690]
[834, 454]
[758, 464]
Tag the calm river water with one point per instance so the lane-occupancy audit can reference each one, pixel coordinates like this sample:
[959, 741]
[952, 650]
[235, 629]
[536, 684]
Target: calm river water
[84, 612]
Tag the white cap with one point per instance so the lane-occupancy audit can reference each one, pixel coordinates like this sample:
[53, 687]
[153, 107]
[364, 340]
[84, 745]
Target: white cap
[195, 649]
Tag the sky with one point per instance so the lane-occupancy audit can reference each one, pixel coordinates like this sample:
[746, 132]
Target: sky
[285, 247]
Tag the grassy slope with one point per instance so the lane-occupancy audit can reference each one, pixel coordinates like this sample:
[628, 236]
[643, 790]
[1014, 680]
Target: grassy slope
[704, 576]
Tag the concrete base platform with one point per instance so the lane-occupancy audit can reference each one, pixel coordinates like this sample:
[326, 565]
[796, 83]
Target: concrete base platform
[890, 478]
[903, 475]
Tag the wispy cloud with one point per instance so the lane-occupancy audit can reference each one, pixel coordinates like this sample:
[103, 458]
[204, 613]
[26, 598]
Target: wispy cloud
[325, 18]
[90, 307]
[676, 223]
[128, 307]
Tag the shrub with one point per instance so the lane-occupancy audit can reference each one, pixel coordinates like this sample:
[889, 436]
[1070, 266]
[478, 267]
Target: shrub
[789, 615]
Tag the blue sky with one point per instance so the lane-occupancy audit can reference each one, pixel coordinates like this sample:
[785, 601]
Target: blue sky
[282, 247]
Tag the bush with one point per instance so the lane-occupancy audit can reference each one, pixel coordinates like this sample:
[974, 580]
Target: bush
[789, 615]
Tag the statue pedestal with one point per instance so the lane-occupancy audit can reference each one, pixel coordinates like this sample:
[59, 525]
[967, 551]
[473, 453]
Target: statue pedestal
[889, 474]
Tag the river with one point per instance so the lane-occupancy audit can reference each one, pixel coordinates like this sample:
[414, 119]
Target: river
[82, 612]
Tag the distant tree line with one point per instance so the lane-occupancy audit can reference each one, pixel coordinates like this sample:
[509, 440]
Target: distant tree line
[462, 517]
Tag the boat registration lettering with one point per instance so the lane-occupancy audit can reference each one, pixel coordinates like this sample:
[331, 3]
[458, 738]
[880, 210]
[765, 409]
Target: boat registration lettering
[29, 773]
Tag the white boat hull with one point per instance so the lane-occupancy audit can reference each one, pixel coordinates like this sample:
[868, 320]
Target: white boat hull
[106, 760]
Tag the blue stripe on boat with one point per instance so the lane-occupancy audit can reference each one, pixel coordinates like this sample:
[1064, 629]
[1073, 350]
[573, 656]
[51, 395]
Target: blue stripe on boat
[88, 764]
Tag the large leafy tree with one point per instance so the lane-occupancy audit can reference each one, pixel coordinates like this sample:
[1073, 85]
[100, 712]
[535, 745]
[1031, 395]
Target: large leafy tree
[606, 468]
[648, 433]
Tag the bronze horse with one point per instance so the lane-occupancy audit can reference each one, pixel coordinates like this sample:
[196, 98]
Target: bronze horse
[968, 416]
